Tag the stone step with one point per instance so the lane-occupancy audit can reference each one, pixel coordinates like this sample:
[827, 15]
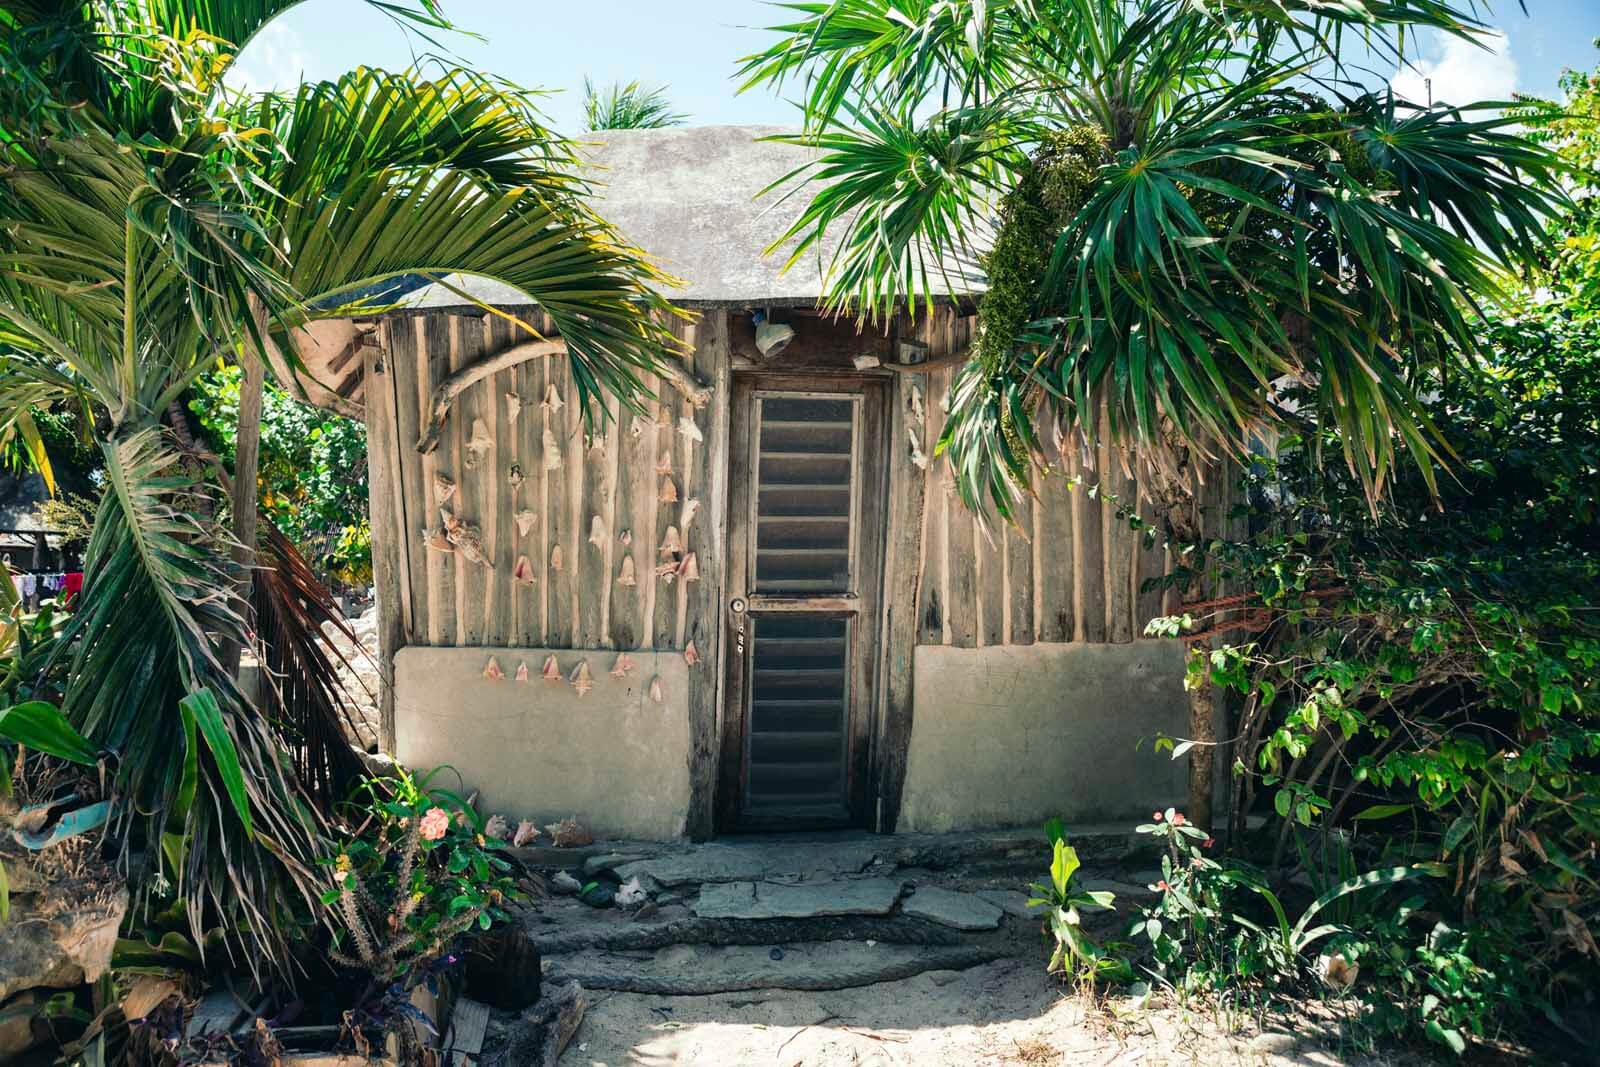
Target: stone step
[688, 970]
[565, 938]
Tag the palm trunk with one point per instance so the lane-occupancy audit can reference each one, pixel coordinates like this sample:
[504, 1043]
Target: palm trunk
[246, 464]
[1174, 491]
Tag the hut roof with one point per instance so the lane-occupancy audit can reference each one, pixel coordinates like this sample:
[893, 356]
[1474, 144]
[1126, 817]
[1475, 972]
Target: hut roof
[691, 198]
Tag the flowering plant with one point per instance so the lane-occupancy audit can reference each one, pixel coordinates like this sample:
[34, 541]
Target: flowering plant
[418, 871]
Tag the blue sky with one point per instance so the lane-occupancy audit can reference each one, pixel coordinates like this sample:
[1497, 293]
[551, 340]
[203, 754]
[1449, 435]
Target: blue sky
[692, 48]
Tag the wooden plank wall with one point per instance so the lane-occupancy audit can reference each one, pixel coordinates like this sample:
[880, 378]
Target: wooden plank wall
[591, 500]
[1070, 568]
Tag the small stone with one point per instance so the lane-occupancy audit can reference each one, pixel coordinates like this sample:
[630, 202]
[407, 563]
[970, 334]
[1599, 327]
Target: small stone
[565, 884]
[775, 954]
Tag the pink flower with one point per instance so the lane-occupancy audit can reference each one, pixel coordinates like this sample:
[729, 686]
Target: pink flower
[1208, 842]
[434, 824]
[1177, 819]
[1156, 815]
[1162, 886]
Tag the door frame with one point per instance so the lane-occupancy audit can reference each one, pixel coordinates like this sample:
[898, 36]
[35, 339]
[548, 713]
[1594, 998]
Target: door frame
[865, 604]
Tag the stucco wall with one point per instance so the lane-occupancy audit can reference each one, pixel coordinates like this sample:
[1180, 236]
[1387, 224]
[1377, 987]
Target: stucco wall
[1010, 736]
[538, 749]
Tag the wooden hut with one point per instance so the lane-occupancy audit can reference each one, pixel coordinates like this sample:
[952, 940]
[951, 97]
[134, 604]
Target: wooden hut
[758, 604]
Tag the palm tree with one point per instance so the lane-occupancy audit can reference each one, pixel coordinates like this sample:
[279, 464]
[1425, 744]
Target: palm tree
[152, 222]
[1193, 208]
[628, 107]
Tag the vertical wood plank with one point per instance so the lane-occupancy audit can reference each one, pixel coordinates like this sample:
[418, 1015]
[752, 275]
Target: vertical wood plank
[694, 478]
[634, 472]
[576, 450]
[479, 485]
[904, 581]
[558, 623]
[931, 598]
[590, 578]
[1021, 625]
[390, 569]
[408, 367]
[1119, 546]
[1089, 573]
[989, 578]
[1151, 564]
[498, 534]
[1058, 608]
[435, 339]
[711, 361]
[664, 593]
[530, 498]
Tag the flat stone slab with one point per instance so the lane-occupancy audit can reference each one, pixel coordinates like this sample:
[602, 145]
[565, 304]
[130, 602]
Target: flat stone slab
[964, 911]
[1011, 902]
[764, 900]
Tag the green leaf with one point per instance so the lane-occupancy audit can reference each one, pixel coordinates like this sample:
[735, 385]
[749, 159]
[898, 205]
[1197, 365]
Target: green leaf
[1062, 867]
[1450, 1038]
[1382, 811]
[41, 726]
[1456, 834]
[208, 716]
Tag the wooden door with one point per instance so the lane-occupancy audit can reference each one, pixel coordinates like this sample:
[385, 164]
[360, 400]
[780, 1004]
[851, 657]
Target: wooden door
[805, 559]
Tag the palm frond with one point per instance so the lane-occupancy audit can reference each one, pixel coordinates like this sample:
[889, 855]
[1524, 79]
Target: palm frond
[628, 107]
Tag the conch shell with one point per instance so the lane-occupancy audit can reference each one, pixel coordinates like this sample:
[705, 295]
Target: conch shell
[552, 399]
[525, 521]
[626, 575]
[444, 488]
[479, 443]
[580, 678]
[687, 427]
[552, 451]
[671, 543]
[691, 655]
[668, 493]
[552, 670]
[655, 690]
[522, 671]
[689, 569]
[526, 831]
[492, 670]
[513, 407]
[523, 571]
[597, 532]
[622, 666]
[555, 558]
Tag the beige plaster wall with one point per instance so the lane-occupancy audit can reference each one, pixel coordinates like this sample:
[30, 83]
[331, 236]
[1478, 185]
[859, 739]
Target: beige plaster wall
[1012, 735]
[538, 749]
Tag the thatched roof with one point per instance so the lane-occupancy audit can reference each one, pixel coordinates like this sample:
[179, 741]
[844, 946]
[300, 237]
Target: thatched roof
[691, 198]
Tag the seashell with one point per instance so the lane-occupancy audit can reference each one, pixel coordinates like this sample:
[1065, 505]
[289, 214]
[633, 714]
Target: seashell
[522, 670]
[631, 893]
[919, 459]
[670, 543]
[663, 417]
[497, 827]
[691, 655]
[552, 399]
[443, 488]
[513, 407]
[655, 690]
[915, 401]
[479, 443]
[436, 540]
[580, 678]
[597, 532]
[626, 575]
[686, 516]
[569, 833]
[689, 569]
[664, 462]
[515, 476]
[525, 521]
[552, 451]
[523, 571]
[668, 494]
[623, 666]
[597, 443]
[687, 427]
[626, 537]
[667, 571]
[492, 670]
[468, 541]
[526, 832]
[552, 670]
[555, 558]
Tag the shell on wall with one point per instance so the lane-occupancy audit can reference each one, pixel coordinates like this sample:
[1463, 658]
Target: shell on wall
[580, 678]
[555, 558]
[552, 451]
[689, 569]
[513, 407]
[687, 514]
[597, 532]
[664, 462]
[691, 655]
[479, 443]
[626, 575]
[522, 670]
[671, 542]
[655, 690]
[515, 476]
[437, 540]
[623, 666]
[444, 487]
[552, 399]
[523, 571]
[667, 571]
[552, 670]
[668, 493]
[525, 520]
[688, 429]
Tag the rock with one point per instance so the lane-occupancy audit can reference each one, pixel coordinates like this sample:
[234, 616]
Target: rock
[595, 866]
[503, 968]
[760, 900]
[58, 951]
[16, 1023]
[1274, 1043]
[599, 895]
[565, 884]
[963, 911]
[1012, 903]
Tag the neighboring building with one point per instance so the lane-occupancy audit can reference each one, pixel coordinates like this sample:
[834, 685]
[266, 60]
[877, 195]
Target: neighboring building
[820, 636]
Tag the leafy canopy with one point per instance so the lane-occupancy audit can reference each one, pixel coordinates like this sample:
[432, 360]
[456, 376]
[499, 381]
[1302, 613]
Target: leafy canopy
[1254, 218]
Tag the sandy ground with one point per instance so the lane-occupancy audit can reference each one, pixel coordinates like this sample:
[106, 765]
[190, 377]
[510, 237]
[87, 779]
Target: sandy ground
[1007, 1012]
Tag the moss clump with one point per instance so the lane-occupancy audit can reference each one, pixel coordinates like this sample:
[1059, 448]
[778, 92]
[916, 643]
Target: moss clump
[1048, 194]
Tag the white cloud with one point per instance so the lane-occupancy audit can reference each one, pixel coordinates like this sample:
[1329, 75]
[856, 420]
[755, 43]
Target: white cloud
[274, 59]
[1460, 72]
